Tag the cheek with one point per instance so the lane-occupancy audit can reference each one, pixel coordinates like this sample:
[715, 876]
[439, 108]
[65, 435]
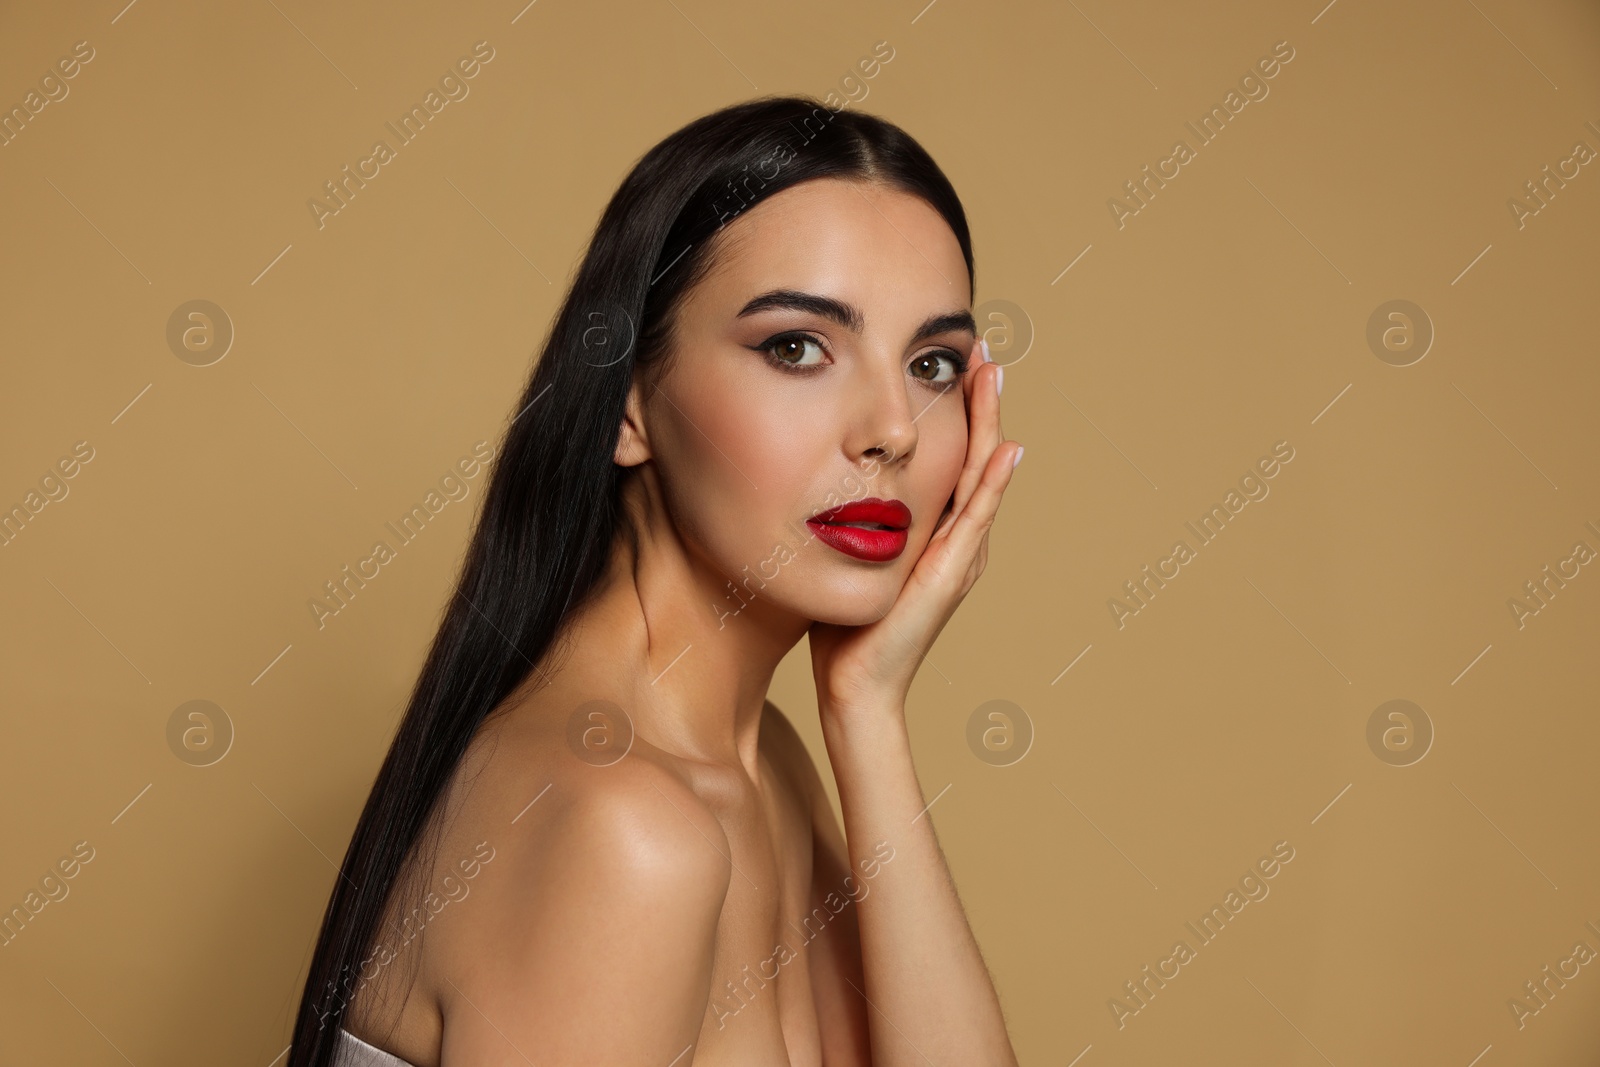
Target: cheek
[942, 449]
[783, 441]
[737, 466]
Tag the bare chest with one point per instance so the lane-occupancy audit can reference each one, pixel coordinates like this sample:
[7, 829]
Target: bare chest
[760, 1009]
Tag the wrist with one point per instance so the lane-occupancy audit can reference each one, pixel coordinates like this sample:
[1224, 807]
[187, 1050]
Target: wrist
[875, 717]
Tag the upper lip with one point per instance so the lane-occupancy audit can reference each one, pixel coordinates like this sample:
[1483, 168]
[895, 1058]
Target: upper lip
[890, 513]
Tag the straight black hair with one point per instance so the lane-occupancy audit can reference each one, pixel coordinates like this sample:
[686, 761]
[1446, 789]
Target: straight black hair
[553, 506]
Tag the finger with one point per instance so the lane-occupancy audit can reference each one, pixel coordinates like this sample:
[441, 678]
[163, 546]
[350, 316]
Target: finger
[999, 435]
[983, 433]
[943, 575]
[980, 395]
[970, 461]
[975, 362]
[969, 379]
[969, 525]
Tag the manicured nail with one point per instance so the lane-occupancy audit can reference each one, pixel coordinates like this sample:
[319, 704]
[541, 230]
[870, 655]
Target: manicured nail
[1016, 459]
[985, 345]
[999, 380]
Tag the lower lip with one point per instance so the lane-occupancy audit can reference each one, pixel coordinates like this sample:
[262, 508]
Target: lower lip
[876, 546]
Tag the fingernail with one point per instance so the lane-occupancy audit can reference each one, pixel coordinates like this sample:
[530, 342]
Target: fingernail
[985, 345]
[999, 380]
[1016, 459]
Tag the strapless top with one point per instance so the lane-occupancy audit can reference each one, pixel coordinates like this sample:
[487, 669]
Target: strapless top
[354, 1052]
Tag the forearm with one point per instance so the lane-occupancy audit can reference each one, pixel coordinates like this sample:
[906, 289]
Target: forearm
[929, 993]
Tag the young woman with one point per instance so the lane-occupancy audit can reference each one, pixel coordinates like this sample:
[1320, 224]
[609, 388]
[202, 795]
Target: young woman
[763, 413]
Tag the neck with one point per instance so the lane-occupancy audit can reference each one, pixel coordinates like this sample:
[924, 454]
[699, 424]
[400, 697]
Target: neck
[690, 658]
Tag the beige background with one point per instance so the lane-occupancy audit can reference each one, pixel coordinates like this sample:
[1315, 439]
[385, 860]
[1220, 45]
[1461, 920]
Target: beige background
[1228, 314]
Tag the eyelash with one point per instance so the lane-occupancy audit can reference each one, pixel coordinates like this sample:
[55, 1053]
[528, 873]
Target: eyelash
[959, 361]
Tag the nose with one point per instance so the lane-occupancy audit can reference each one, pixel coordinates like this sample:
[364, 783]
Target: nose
[884, 427]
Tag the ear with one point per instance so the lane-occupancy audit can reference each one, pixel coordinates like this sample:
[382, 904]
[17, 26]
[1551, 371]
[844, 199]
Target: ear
[633, 444]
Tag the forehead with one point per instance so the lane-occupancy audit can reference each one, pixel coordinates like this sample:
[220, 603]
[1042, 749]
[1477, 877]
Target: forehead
[871, 243]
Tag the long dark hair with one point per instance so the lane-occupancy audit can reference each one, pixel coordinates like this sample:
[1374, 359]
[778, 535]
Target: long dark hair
[552, 506]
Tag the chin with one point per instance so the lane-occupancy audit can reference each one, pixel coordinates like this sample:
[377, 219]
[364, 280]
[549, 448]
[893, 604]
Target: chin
[871, 598]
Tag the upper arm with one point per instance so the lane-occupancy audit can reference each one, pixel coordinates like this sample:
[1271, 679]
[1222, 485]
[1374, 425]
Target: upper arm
[597, 946]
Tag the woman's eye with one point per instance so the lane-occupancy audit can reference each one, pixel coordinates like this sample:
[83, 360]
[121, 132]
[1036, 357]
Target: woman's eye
[789, 350]
[951, 369]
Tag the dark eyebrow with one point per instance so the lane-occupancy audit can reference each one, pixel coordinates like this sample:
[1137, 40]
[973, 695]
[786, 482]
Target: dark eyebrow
[848, 315]
[950, 320]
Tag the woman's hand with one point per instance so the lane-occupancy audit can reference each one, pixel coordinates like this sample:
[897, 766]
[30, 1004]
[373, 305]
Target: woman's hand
[859, 668]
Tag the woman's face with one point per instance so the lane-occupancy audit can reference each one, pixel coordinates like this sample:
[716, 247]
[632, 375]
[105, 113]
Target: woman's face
[819, 362]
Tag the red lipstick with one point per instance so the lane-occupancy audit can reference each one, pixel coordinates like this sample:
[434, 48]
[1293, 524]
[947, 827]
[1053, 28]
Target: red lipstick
[878, 534]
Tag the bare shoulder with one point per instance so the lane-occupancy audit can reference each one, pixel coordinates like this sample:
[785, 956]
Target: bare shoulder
[628, 817]
[611, 877]
[638, 820]
[792, 757]
[788, 751]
